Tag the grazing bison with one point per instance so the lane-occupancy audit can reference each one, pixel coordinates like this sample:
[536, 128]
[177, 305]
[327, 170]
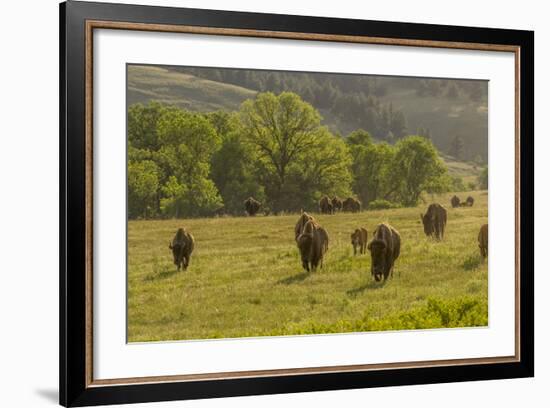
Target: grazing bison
[304, 218]
[359, 239]
[182, 247]
[483, 239]
[325, 205]
[313, 244]
[351, 204]
[455, 201]
[434, 221]
[470, 201]
[252, 206]
[336, 204]
[384, 250]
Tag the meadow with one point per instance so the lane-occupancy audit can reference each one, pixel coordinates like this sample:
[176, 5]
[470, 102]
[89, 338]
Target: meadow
[245, 277]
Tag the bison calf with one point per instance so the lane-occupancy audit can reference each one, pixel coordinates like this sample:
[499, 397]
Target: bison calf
[384, 249]
[435, 221]
[483, 240]
[182, 247]
[359, 240]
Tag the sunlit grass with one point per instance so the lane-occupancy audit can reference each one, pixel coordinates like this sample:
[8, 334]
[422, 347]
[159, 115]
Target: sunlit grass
[245, 277]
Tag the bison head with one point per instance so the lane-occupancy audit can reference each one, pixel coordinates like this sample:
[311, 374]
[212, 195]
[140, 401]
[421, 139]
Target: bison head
[378, 250]
[428, 223]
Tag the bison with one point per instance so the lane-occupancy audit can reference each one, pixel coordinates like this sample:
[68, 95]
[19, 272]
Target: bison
[384, 250]
[435, 221]
[252, 206]
[483, 239]
[304, 218]
[455, 201]
[182, 247]
[359, 239]
[470, 201]
[336, 204]
[325, 205]
[313, 244]
[351, 204]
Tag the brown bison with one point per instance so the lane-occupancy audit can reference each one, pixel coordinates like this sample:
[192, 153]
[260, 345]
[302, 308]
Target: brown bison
[435, 221]
[455, 201]
[252, 206]
[325, 205]
[313, 244]
[384, 250]
[351, 204]
[336, 204]
[304, 218]
[483, 239]
[359, 239]
[182, 247]
[470, 201]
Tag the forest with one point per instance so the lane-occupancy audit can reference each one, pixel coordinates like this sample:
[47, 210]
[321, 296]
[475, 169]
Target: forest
[184, 163]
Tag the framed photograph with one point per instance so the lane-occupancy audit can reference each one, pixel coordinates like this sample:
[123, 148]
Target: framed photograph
[257, 204]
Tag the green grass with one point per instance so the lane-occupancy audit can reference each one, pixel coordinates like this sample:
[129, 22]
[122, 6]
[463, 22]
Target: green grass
[245, 277]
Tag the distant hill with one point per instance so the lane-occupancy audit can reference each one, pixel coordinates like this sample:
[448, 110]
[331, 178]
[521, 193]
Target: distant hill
[148, 83]
[383, 106]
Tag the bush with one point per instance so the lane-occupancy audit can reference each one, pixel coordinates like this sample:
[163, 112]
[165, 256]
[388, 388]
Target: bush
[434, 314]
[382, 205]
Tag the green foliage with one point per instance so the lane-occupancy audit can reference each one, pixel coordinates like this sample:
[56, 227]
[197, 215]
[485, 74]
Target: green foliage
[170, 152]
[143, 182]
[416, 166]
[436, 313]
[274, 149]
[298, 159]
[371, 165]
[382, 205]
[484, 178]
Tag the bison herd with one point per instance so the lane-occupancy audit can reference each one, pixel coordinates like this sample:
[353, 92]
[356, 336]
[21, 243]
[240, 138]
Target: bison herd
[312, 239]
[334, 205]
[455, 202]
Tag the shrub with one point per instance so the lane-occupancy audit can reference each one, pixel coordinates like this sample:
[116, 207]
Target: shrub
[382, 205]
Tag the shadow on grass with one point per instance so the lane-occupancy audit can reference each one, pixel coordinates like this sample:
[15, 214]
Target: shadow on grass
[164, 273]
[294, 278]
[370, 285]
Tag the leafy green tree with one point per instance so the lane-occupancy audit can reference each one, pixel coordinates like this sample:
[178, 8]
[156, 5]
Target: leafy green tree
[188, 142]
[142, 125]
[286, 136]
[416, 167]
[370, 167]
[143, 184]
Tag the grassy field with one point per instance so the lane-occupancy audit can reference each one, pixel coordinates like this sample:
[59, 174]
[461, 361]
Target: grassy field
[245, 277]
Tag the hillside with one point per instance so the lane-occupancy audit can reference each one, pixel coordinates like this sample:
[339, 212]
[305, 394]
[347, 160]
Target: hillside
[445, 108]
[148, 83]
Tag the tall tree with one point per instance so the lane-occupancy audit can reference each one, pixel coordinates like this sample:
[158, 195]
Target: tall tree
[415, 167]
[285, 133]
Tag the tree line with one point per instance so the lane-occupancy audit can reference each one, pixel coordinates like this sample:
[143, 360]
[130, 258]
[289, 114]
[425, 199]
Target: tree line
[274, 148]
[354, 99]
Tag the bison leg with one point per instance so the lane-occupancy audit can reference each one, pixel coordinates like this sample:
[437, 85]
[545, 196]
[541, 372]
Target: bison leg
[354, 249]
[305, 264]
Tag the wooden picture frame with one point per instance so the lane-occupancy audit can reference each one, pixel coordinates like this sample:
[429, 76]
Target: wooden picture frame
[78, 20]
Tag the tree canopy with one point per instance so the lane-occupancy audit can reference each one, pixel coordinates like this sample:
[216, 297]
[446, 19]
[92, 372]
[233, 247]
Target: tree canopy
[275, 148]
